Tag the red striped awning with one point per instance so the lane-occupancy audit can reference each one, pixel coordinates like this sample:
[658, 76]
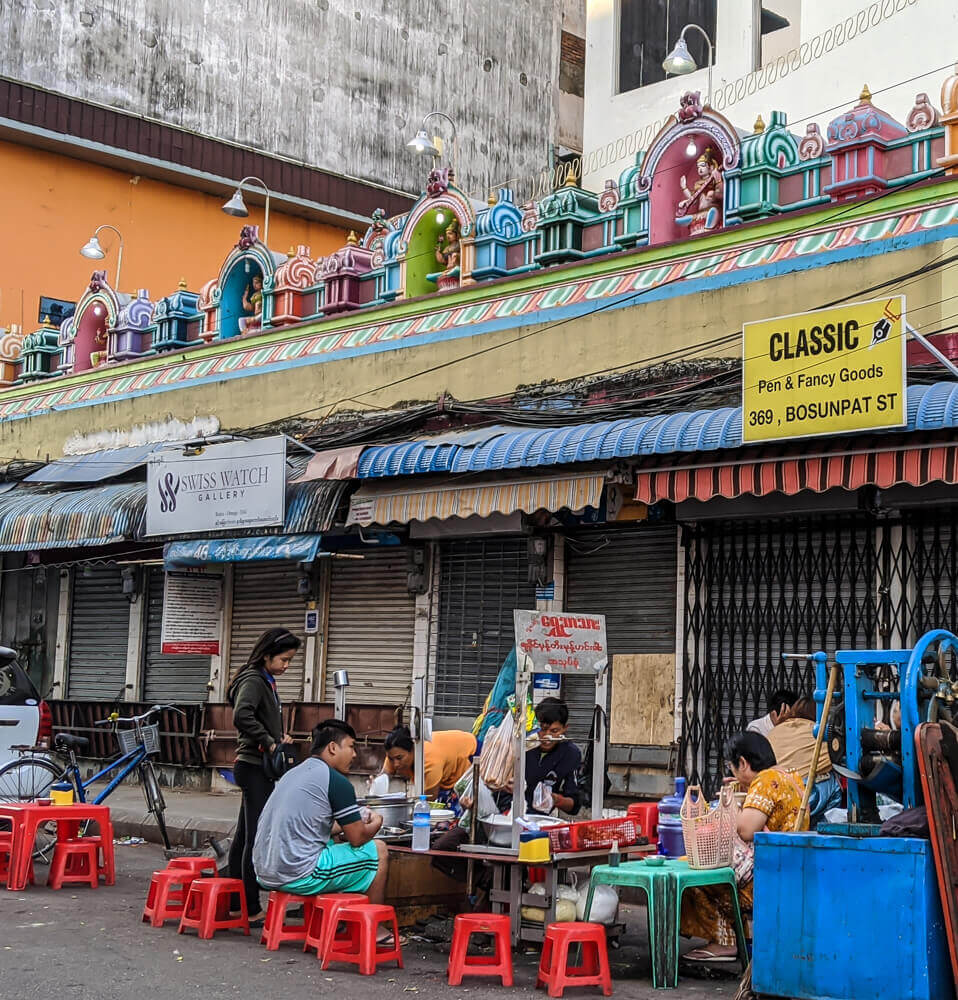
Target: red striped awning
[915, 466]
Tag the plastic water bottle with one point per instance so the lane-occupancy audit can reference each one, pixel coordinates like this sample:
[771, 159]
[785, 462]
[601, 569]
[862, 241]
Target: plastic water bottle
[420, 825]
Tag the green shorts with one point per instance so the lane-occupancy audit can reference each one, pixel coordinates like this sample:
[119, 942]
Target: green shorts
[340, 868]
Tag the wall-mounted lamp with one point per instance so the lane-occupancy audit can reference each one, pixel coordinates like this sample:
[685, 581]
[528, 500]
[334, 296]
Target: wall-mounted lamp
[679, 61]
[424, 146]
[340, 683]
[93, 251]
[236, 206]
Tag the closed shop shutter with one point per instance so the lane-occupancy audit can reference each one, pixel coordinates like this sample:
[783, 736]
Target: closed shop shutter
[630, 577]
[99, 633]
[372, 620]
[168, 680]
[481, 583]
[265, 596]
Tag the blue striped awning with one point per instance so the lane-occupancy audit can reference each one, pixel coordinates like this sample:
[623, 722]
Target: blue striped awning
[34, 517]
[930, 407]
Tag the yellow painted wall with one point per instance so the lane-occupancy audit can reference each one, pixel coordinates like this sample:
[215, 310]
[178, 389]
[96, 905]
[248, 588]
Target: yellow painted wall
[53, 203]
[631, 337]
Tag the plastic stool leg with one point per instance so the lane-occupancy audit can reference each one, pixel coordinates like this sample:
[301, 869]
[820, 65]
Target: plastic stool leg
[664, 921]
[559, 965]
[457, 956]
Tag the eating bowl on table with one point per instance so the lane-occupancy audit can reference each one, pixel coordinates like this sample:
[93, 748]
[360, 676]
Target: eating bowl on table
[655, 860]
[44, 802]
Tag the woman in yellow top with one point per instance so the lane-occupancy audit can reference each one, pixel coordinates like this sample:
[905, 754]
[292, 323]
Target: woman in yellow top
[446, 754]
[773, 803]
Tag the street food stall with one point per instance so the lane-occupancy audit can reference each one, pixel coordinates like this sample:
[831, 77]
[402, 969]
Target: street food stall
[553, 643]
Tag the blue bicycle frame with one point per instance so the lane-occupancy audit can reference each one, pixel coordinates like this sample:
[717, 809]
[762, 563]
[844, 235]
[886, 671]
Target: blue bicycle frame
[128, 763]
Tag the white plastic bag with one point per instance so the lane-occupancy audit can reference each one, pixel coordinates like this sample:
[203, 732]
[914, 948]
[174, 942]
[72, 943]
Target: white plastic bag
[605, 904]
[542, 801]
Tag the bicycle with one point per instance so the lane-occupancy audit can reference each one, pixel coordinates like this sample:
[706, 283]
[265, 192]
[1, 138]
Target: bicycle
[31, 777]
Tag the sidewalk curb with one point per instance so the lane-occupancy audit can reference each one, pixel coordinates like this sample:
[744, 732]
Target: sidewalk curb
[183, 831]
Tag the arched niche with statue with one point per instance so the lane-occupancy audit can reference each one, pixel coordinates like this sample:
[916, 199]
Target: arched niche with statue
[677, 188]
[436, 246]
[239, 300]
[84, 337]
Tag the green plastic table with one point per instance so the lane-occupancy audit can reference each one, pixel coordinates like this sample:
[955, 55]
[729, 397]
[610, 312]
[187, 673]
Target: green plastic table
[663, 886]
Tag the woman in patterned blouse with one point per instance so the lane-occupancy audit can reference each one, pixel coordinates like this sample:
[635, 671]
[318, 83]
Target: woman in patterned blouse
[773, 803]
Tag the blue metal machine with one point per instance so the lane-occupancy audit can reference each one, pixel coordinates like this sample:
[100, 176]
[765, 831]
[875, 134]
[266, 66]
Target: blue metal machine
[844, 913]
[878, 760]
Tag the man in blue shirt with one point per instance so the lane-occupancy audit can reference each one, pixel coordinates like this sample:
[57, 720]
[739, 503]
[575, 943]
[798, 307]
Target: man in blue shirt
[294, 850]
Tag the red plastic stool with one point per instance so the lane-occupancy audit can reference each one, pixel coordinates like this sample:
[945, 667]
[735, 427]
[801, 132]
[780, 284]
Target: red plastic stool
[463, 964]
[647, 814]
[198, 866]
[6, 849]
[276, 929]
[553, 966]
[75, 862]
[207, 907]
[358, 945]
[324, 918]
[167, 896]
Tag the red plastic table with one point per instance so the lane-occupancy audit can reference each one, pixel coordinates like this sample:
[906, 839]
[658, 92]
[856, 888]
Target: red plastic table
[26, 817]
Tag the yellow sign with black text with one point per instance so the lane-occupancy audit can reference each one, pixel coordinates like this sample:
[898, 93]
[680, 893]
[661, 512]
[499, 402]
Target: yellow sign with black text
[826, 372]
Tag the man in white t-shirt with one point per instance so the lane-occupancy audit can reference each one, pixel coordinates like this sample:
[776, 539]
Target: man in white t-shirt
[779, 709]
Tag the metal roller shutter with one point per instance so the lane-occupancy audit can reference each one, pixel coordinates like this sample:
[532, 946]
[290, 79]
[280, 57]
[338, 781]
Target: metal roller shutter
[630, 577]
[99, 634]
[481, 583]
[265, 596]
[372, 621]
[168, 679]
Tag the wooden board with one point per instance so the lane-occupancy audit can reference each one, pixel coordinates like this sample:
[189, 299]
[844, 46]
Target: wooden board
[643, 699]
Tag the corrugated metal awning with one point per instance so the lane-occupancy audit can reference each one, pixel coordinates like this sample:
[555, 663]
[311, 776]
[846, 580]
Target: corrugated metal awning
[930, 407]
[40, 518]
[201, 551]
[884, 468]
[95, 467]
[392, 505]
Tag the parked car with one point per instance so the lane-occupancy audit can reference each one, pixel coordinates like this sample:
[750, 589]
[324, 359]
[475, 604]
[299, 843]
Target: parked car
[25, 719]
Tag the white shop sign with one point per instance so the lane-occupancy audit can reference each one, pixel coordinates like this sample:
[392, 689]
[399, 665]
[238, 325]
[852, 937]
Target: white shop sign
[550, 642]
[222, 487]
[192, 606]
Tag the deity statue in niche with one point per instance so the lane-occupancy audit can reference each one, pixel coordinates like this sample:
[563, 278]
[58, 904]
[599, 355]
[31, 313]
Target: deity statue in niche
[701, 208]
[447, 253]
[252, 305]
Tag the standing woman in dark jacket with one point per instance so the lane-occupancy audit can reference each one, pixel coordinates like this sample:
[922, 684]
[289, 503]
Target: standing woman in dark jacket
[258, 719]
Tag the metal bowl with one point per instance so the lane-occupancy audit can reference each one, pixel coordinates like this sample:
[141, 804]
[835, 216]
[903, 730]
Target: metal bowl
[395, 810]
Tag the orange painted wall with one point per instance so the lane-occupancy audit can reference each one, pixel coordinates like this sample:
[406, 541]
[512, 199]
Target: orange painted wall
[52, 204]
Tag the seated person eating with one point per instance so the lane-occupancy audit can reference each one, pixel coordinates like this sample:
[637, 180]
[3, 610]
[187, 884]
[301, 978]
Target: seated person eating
[295, 850]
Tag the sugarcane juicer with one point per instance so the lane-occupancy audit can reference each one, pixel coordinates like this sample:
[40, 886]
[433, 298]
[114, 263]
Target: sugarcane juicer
[882, 760]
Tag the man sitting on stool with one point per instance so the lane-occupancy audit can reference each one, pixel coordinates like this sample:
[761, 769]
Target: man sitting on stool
[294, 850]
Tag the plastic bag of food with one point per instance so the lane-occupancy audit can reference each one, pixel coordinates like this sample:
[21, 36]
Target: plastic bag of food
[498, 759]
[542, 800]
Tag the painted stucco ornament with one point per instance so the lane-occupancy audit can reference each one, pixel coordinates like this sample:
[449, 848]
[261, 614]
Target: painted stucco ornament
[438, 182]
[98, 281]
[690, 106]
[248, 236]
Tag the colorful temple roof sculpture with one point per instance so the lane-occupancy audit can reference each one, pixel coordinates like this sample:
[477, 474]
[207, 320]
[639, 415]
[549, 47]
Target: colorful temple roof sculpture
[700, 176]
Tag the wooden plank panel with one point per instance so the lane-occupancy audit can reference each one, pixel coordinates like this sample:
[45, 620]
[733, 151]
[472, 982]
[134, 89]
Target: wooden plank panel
[643, 699]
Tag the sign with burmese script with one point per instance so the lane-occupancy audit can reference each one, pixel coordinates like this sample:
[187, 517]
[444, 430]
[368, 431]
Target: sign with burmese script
[832, 371]
[222, 487]
[549, 642]
[192, 606]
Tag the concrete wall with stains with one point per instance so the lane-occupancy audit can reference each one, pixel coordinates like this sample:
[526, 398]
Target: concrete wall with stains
[337, 84]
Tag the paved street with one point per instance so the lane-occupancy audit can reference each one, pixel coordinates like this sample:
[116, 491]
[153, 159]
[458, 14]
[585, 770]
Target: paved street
[83, 943]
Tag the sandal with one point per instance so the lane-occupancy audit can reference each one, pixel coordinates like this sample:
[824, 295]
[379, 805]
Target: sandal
[707, 955]
[387, 936]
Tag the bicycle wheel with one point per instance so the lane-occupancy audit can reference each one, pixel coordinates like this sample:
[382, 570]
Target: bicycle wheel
[154, 800]
[25, 780]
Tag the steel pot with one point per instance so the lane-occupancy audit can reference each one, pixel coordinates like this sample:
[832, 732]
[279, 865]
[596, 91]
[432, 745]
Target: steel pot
[395, 810]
